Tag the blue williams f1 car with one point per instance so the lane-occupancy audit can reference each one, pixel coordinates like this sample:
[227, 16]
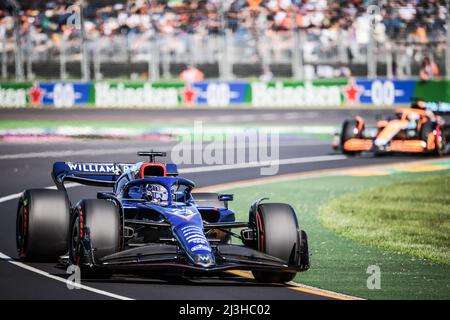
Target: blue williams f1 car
[153, 221]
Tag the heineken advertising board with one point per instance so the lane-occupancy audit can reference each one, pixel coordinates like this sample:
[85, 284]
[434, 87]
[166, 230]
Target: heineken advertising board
[136, 95]
[56, 94]
[294, 94]
[297, 94]
[14, 94]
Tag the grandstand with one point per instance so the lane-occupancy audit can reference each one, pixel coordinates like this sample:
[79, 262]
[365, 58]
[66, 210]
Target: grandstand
[157, 39]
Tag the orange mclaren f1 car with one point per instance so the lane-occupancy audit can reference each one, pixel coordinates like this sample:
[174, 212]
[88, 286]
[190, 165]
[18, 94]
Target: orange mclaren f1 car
[409, 130]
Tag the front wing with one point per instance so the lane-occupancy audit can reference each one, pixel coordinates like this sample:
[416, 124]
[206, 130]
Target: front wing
[169, 257]
[409, 146]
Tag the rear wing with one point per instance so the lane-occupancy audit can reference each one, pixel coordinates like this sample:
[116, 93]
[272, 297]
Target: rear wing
[88, 173]
[96, 174]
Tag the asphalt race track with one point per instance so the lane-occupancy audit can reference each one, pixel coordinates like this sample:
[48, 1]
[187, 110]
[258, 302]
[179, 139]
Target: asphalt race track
[223, 115]
[27, 165]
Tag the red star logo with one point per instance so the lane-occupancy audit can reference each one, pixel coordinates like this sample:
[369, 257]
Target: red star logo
[189, 95]
[352, 92]
[36, 94]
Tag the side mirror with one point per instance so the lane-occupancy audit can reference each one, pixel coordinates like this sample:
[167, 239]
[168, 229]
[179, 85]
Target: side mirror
[225, 197]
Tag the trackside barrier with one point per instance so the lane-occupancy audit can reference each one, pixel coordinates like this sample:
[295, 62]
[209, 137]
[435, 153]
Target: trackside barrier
[296, 94]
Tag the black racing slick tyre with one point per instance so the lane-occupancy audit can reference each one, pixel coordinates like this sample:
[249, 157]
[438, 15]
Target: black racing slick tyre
[278, 235]
[350, 131]
[95, 232]
[438, 137]
[304, 251]
[42, 224]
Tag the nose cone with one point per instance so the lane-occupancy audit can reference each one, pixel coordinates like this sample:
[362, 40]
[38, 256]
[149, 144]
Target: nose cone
[204, 260]
[195, 244]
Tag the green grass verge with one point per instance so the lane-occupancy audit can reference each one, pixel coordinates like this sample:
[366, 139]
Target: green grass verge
[338, 262]
[411, 217]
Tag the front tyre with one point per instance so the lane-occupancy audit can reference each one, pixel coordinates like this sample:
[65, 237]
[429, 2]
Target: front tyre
[278, 235]
[95, 232]
[42, 224]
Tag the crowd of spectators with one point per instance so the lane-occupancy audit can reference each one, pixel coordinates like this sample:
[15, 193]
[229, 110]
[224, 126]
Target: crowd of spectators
[400, 17]
[419, 21]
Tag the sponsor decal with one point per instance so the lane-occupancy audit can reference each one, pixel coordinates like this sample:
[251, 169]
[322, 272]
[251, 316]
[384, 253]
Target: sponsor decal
[280, 95]
[58, 94]
[189, 95]
[145, 95]
[97, 167]
[385, 92]
[200, 247]
[352, 92]
[318, 93]
[195, 238]
[12, 96]
[184, 213]
[36, 94]
[65, 94]
[221, 94]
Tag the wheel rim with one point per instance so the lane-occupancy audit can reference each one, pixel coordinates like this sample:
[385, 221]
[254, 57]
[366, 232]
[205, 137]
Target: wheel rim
[75, 242]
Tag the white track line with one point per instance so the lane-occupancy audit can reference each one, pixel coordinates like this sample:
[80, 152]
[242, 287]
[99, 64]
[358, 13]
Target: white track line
[10, 197]
[257, 164]
[48, 275]
[17, 195]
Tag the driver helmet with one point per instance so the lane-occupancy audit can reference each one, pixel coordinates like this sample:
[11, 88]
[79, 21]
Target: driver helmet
[156, 193]
[419, 104]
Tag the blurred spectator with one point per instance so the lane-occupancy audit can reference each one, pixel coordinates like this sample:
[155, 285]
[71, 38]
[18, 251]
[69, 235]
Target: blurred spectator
[429, 69]
[267, 74]
[344, 71]
[191, 74]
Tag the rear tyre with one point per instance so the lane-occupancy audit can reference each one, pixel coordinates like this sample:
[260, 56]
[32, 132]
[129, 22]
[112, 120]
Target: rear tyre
[430, 128]
[439, 138]
[350, 131]
[42, 224]
[277, 235]
[440, 142]
[427, 128]
[95, 233]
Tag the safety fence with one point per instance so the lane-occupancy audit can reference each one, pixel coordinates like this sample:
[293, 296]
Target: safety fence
[290, 94]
